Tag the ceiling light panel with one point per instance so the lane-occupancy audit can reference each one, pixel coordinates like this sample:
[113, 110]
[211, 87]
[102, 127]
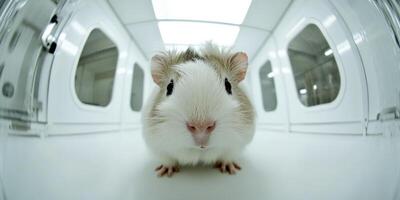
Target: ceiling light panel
[196, 33]
[181, 47]
[226, 11]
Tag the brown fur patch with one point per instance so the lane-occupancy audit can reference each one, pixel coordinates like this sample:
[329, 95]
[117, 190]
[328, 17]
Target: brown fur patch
[163, 64]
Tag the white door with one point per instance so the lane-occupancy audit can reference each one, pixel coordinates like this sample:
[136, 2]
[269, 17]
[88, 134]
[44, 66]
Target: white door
[323, 72]
[28, 30]
[88, 72]
[268, 85]
[376, 28]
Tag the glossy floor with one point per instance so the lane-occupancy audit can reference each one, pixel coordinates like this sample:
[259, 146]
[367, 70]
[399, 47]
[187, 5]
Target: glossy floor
[275, 166]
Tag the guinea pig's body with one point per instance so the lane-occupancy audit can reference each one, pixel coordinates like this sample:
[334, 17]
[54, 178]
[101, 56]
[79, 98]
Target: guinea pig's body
[198, 113]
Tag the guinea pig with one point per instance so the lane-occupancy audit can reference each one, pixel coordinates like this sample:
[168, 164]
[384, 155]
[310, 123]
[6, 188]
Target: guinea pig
[199, 113]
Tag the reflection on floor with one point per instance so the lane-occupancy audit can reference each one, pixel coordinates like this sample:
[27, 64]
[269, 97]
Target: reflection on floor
[276, 166]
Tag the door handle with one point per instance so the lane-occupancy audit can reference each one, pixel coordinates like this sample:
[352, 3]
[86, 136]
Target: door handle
[391, 110]
[48, 40]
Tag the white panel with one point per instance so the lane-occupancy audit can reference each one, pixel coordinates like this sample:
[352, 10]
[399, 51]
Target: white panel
[64, 106]
[3, 145]
[3, 128]
[21, 57]
[249, 40]
[3, 138]
[2, 194]
[133, 11]
[350, 106]
[378, 50]
[276, 119]
[147, 36]
[132, 119]
[64, 67]
[265, 13]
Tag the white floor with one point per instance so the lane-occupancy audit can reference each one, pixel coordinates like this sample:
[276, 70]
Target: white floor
[276, 166]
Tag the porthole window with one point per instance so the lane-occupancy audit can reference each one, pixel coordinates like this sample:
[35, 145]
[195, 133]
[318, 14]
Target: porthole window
[314, 67]
[268, 91]
[137, 88]
[94, 76]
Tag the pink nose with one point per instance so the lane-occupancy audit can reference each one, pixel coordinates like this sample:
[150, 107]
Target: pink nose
[196, 127]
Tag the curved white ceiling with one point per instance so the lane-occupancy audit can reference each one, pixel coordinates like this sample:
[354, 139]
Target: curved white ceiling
[243, 24]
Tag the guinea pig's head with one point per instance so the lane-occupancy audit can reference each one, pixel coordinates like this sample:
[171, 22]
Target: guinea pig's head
[200, 104]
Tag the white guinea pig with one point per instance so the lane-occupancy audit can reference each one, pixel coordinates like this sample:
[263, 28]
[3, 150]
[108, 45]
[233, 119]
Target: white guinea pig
[198, 113]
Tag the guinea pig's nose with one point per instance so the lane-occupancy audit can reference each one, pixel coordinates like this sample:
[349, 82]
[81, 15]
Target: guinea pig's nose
[200, 126]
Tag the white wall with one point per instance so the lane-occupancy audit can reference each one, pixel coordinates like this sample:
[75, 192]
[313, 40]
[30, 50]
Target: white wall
[397, 165]
[377, 179]
[350, 107]
[3, 137]
[39, 160]
[380, 54]
[92, 15]
[278, 165]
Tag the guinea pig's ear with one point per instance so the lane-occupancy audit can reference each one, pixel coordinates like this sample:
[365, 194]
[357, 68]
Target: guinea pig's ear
[156, 68]
[239, 62]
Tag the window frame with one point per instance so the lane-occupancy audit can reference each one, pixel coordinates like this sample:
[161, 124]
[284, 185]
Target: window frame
[295, 31]
[261, 88]
[76, 99]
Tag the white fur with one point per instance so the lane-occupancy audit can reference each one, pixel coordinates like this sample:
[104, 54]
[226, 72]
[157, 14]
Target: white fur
[198, 94]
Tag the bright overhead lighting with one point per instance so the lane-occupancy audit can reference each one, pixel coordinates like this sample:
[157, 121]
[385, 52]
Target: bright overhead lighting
[195, 33]
[303, 91]
[180, 47]
[226, 11]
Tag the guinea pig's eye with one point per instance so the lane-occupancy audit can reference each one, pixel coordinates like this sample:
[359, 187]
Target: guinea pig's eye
[170, 87]
[228, 86]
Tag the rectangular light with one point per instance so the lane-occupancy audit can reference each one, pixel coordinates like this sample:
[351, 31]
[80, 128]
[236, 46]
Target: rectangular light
[196, 33]
[226, 11]
[180, 47]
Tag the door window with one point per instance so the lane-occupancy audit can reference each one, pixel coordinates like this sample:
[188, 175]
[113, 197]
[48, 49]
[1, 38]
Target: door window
[95, 73]
[314, 67]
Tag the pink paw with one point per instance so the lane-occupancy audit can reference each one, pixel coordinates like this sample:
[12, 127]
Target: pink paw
[226, 166]
[166, 170]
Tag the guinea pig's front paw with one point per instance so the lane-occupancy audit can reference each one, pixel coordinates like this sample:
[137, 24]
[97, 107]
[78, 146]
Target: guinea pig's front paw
[227, 166]
[168, 170]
